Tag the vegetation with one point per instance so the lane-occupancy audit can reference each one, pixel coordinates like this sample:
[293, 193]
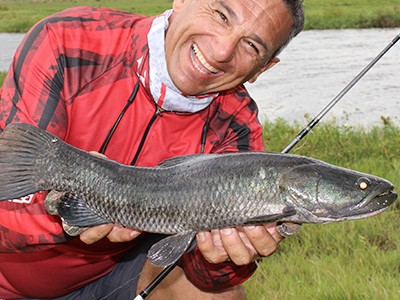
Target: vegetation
[337, 14]
[348, 260]
[20, 15]
[2, 76]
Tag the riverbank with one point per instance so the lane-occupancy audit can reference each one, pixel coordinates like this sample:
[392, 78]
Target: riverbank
[20, 15]
[318, 64]
[314, 68]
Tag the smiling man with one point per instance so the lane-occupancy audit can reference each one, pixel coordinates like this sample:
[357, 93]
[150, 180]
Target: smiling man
[213, 46]
[139, 90]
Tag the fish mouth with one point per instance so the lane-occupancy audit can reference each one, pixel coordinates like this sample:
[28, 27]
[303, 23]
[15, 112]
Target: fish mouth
[373, 204]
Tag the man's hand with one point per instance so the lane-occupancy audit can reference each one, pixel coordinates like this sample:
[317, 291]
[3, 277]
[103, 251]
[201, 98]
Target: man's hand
[115, 233]
[241, 245]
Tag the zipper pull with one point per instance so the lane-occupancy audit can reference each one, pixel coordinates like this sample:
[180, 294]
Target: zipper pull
[159, 111]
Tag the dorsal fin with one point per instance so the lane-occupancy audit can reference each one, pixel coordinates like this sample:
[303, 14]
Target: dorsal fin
[191, 158]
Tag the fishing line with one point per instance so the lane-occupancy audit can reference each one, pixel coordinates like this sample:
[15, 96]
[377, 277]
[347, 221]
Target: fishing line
[143, 294]
[120, 287]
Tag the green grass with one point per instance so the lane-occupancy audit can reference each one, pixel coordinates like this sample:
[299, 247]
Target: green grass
[348, 260]
[20, 15]
[336, 14]
[2, 76]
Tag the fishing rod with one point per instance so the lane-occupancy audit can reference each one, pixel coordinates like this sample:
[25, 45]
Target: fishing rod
[285, 230]
[335, 100]
[143, 294]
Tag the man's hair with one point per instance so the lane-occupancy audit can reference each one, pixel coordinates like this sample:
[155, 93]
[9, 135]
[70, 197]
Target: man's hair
[296, 9]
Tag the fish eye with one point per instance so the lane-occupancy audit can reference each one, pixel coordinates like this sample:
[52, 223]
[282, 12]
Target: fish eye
[363, 183]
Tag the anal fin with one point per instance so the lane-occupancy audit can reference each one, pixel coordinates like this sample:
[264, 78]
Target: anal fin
[170, 249]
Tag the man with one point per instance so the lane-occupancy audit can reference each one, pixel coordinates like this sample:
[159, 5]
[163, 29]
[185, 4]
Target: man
[140, 90]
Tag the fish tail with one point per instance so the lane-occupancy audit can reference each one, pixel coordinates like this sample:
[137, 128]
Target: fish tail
[21, 148]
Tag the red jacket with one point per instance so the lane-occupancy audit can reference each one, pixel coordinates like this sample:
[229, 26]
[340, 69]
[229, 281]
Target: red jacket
[72, 76]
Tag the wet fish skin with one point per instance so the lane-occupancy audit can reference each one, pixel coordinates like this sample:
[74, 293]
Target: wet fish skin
[186, 194]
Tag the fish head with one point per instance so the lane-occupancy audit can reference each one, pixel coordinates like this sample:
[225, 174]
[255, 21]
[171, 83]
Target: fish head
[324, 193]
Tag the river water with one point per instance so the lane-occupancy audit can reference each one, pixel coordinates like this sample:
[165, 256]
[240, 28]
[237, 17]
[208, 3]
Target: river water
[314, 68]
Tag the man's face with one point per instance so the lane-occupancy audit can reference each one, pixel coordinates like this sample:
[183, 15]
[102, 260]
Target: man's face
[215, 45]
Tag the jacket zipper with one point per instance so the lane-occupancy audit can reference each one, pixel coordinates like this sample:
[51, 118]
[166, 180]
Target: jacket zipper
[156, 114]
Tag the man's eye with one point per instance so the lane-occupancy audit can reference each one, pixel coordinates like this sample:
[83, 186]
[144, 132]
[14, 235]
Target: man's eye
[222, 16]
[253, 46]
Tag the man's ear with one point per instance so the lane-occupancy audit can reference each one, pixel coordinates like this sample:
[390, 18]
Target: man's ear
[267, 66]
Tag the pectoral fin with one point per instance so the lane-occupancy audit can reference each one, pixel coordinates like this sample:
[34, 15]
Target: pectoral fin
[169, 250]
[74, 212]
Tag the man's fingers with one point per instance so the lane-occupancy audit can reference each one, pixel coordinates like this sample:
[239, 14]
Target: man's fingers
[288, 229]
[211, 246]
[235, 244]
[115, 233]
[241, 245]
[73, 230]
[122, 234]
[263, 242]
[238, 252]
[96, 233]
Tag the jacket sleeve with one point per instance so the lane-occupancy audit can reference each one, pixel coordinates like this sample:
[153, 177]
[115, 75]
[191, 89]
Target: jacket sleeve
[234, 127]
[233, 124]
[32, 82]
[213, 277]
[41, 77]
[32, 89]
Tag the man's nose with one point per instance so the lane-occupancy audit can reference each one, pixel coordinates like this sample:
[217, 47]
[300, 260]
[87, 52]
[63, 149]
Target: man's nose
[224, 47]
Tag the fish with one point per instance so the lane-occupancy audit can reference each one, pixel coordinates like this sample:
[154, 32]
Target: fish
[187, 194]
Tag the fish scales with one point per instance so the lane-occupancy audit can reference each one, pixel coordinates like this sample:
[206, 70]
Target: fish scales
[212, 190]
[129, 196]
[184, 195]
[208, 191]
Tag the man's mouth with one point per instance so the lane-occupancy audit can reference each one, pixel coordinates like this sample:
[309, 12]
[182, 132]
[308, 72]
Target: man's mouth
[200, 62]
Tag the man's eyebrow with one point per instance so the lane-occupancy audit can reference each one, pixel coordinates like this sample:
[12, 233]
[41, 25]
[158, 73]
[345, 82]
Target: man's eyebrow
[234, 16]
[230, 11]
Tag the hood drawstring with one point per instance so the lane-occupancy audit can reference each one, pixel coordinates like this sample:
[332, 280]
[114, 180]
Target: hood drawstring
[112, 130]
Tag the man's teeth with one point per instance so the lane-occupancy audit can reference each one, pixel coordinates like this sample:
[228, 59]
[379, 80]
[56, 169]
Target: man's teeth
[203, 61]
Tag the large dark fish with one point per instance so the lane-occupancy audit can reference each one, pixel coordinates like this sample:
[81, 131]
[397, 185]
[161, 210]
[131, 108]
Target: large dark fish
[187, 194]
